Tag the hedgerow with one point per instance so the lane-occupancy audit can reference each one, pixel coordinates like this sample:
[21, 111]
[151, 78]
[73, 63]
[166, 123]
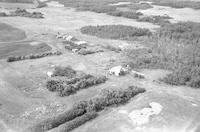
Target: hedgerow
[55, 121]
[81, 84]
[86, 110]
[67, 81]
[69, 126]
[32, 56]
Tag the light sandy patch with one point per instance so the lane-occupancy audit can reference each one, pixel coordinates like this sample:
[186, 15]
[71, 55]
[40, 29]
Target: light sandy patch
[35, 43]
[141, 117]
[120, 3]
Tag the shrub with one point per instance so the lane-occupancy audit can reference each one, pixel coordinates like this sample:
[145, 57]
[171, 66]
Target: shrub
[54, 85]
[115, 31]
[64, 71]
[69, 126]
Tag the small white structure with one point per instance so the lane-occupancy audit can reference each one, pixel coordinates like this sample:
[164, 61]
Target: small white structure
[81, 42]
[49, 74]
[141, 117]
[118, 70]
[68, 37]
[55, 4]
[74, 50]
[138, 74]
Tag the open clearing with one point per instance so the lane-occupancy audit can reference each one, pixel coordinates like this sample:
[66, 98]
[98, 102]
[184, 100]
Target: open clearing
[25, 100]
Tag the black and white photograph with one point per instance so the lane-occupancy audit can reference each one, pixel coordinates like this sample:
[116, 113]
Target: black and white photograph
[99, 65]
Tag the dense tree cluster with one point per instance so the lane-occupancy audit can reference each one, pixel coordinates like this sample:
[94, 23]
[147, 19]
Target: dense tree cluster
[186, 75]
[175, 47]
[160, 20]
[186, 32]
[115, 31]
[126, 14]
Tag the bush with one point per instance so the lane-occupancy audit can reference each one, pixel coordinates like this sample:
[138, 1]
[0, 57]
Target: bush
[115, 31]
[69, 126]
[64, 71]
[55, 85]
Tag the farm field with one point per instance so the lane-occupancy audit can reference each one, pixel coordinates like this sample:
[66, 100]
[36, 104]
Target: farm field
[9, 33]
[60, 79]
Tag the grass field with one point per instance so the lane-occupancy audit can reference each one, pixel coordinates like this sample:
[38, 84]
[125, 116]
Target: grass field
[9, 33]
[17, 1]
[21, 48]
